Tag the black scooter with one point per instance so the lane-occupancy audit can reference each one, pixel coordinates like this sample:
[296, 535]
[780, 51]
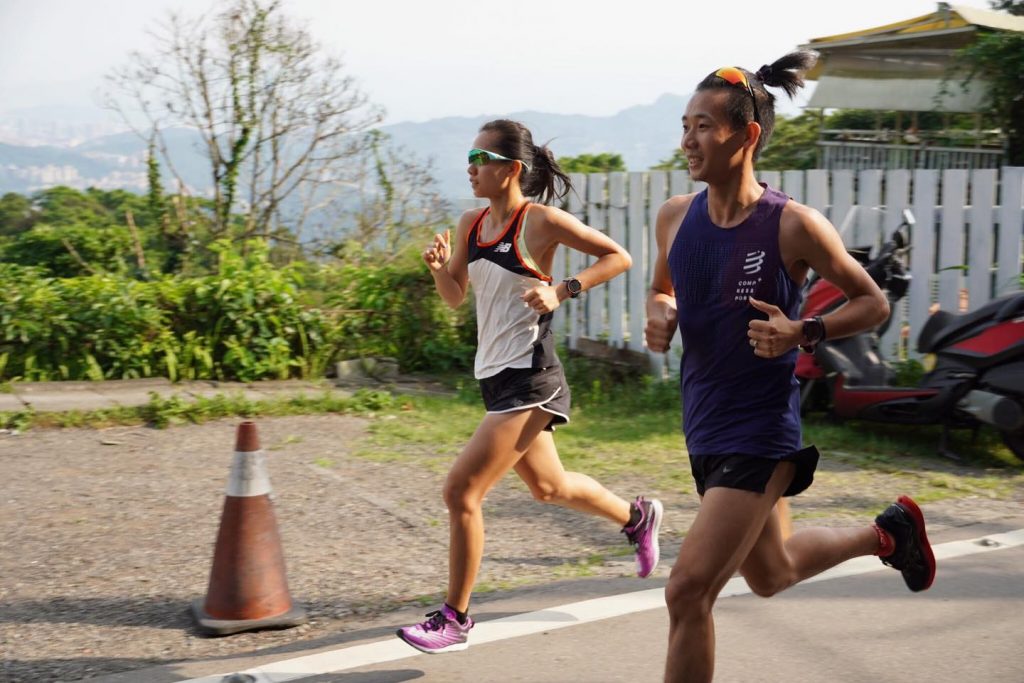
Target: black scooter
[978, 374]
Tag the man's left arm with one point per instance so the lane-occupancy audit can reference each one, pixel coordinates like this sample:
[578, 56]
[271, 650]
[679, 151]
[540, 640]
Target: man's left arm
[808, 240]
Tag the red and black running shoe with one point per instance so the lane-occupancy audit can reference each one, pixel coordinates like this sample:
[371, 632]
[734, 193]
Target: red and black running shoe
[913, 555]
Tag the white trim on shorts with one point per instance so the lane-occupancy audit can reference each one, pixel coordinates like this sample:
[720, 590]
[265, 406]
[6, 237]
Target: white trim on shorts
[542, 405]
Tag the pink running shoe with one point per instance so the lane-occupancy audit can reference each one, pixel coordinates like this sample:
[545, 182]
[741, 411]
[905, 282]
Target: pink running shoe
[644, 535]
[441, 632]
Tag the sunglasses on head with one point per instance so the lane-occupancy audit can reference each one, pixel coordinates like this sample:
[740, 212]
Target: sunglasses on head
[733, 76]
[481, 157]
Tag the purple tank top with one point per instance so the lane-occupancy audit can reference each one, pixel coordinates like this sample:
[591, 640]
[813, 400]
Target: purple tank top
[733, 401]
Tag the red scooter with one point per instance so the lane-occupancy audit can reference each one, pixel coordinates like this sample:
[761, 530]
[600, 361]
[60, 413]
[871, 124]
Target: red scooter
[978, 376]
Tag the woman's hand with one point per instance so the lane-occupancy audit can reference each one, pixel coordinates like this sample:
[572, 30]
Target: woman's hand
[439, 252]
[542, 299]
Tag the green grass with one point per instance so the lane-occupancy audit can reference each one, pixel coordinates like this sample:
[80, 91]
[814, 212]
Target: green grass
[619, 428]
[883, 444]
[161, 412]
[633, 430]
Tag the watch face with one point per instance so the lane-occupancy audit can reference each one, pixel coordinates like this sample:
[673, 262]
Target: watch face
[812, 331]
[573, 285]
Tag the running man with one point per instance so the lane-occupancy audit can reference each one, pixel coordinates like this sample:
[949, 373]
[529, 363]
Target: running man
[731, 262]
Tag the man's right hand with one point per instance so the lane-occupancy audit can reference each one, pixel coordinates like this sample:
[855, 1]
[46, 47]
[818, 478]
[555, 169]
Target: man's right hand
[660, 329]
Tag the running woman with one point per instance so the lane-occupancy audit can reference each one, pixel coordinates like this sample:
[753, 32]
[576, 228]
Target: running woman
[506, 250]
[731, 261]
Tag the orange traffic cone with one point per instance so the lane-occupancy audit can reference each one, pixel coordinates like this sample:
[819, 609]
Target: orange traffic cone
[248, 589]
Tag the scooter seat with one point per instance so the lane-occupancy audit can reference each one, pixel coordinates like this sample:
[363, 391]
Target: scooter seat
[944, 327]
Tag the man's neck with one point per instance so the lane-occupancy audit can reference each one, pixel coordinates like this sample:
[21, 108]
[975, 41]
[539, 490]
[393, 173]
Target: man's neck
[730, 203]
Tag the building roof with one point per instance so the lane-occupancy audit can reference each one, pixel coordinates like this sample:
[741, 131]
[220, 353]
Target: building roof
[902, 66]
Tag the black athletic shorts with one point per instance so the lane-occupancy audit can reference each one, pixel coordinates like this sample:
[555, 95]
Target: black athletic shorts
[524, 388]
[752, 472]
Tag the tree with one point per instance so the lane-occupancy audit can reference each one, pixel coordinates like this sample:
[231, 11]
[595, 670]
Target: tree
[393, 204]
[155, 188]
[676, 162]
[605, 162]
[793, 145]
[1015, 7]
[70, 250]
[278, 119]
[16, 214]
[998, 56]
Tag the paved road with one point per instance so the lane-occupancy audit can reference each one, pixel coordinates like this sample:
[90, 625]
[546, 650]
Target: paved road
[858, 628]
[856, 625]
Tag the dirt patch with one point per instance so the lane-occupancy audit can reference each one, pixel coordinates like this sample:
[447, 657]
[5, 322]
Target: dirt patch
[108, 536]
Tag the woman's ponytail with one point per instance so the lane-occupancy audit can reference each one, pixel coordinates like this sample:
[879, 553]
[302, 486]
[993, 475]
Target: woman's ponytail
[545, 180]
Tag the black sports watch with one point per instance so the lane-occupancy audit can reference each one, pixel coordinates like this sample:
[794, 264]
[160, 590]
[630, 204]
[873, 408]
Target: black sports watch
[814, 334]
[573, 286]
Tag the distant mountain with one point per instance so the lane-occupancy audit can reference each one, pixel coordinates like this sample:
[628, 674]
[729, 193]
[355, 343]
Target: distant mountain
[108, 162]
[23, 169]
[643, 135]
[56, 125]
[184, 145]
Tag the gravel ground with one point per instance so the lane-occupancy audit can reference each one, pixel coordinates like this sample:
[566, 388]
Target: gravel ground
[107, 536]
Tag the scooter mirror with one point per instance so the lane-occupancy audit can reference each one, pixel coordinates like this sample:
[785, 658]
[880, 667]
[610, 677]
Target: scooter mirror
[908, 217]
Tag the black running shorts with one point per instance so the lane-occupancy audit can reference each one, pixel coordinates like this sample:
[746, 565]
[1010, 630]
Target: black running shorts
[524, 388]
[751, 472]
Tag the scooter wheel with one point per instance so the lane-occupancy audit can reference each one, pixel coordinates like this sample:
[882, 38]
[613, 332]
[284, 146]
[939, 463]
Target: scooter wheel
[1015, 442]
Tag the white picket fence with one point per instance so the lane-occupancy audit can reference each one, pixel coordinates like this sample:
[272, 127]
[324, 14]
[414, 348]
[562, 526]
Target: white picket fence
[966, 244]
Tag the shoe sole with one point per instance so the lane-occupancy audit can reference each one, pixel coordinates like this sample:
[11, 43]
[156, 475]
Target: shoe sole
[451, 648]
[922, 538]
[659, 511]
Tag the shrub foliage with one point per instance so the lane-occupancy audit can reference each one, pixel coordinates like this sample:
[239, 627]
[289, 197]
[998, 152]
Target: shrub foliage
[247, 320]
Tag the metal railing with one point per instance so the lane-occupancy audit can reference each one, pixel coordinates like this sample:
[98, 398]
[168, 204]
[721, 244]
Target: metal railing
[856, 156]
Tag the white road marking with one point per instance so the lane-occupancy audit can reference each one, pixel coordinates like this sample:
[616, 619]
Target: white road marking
[572, 614]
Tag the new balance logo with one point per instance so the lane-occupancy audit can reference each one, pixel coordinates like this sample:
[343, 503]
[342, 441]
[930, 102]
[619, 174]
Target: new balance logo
[752, 263]
[503, 247]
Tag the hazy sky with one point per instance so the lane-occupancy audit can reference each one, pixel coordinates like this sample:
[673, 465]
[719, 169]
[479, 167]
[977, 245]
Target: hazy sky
[423, 60]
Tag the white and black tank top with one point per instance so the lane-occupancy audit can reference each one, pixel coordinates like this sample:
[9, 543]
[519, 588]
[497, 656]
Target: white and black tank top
[509, 333]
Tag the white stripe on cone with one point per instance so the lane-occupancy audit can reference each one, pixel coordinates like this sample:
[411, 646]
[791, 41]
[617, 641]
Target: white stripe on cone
[248, 475]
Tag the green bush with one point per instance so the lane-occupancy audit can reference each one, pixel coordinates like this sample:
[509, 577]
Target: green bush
[394, 311]
[250, 320]
[69, 250]
[246, 322]
[92, 327]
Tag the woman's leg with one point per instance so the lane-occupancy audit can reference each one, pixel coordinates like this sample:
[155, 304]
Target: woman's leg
[498, 444]
[542, 471]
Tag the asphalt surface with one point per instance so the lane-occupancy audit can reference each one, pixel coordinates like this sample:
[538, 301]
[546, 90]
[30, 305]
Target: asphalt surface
[859, 628]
